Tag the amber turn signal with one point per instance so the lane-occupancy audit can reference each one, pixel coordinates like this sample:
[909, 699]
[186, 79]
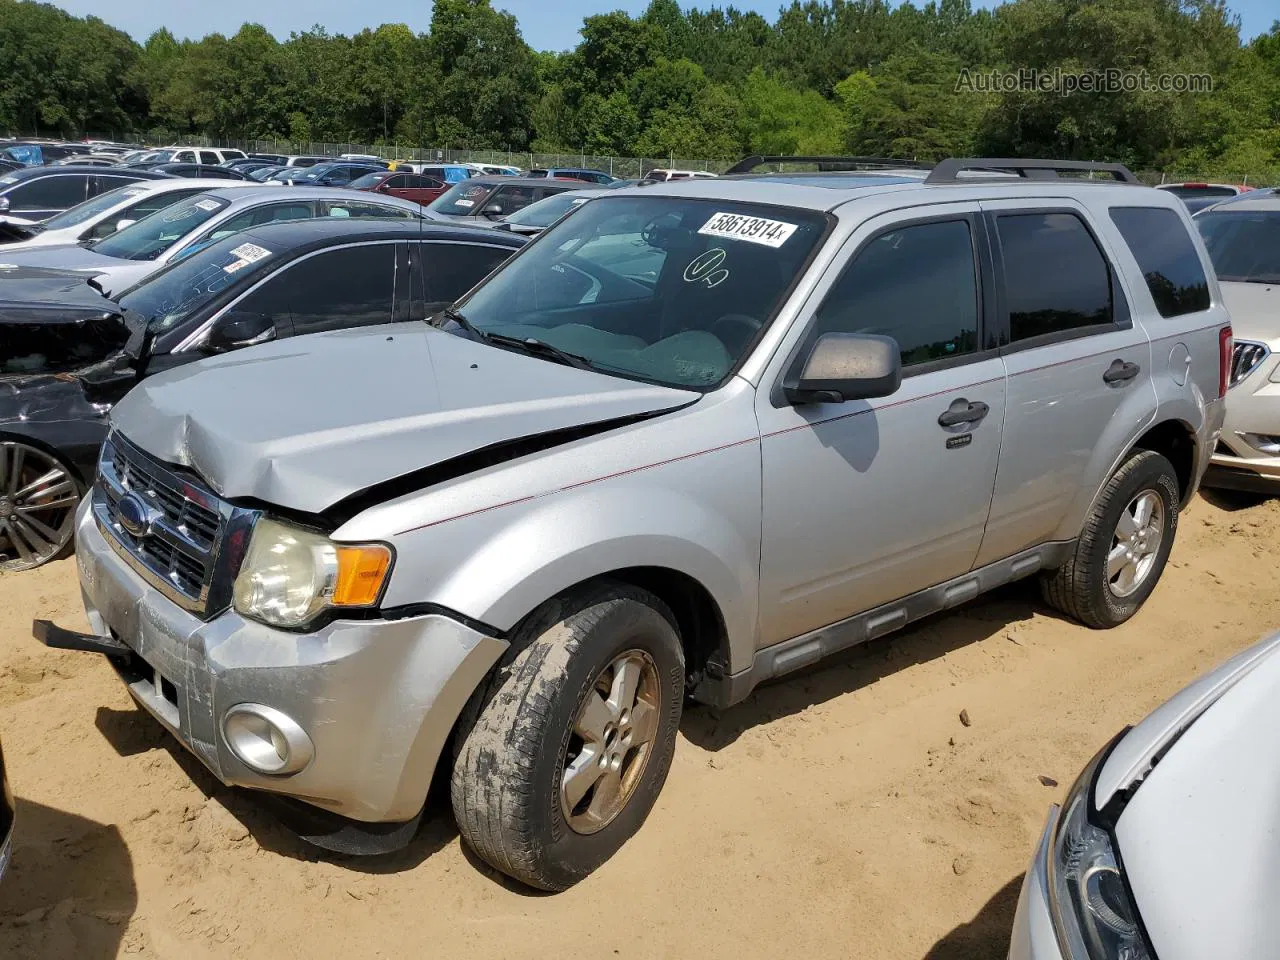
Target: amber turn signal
[361, 572]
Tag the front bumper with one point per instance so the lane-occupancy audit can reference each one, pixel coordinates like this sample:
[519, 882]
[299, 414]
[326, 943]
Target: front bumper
[377, 698]
[1252, 407]
[1033, 934]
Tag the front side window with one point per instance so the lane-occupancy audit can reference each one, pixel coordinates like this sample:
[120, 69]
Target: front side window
[362, 208]
[149, 238]
[668, 290]
[547, 210]
[254, 217]
[348, 287]
[1056, 278]
[451, 269]
[1243, 245]
[917, 284]
[1166, 256]
[509, 200]
[210, 158]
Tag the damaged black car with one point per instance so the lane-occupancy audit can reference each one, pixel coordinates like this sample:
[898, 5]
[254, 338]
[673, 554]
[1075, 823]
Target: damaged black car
[68, 353]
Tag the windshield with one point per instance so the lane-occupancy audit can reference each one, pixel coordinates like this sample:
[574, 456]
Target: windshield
[167, 298]
[1244, 245]
[151, 236]
[311, 173]
[367, 182]
[547, 210]
[663, 289]
[461, 200]
[91, 208]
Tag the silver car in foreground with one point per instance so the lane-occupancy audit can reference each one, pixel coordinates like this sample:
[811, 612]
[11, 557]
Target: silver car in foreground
[1165, 845]
[166, 236]
[694, 437]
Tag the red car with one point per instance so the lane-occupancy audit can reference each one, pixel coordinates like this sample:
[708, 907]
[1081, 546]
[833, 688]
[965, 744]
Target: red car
[402, 184]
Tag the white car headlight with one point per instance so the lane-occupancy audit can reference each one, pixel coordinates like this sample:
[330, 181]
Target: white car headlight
[291, 575]
[1093, 910]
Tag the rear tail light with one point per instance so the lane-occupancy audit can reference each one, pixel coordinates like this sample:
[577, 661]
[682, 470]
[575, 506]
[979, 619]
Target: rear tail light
[1225, 348]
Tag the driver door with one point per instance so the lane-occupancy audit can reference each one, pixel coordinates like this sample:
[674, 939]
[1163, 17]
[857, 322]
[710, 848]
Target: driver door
[869, 501]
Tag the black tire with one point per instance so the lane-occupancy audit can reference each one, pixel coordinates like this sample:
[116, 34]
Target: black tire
[1081, 587]
[517, 732]
[37, 516]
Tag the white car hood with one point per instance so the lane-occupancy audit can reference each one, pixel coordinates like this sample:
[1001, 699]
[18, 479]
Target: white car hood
[310, 421]
[1198, 838]
[1254, 309]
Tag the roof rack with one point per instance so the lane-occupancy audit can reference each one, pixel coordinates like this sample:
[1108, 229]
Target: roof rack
[948, 171]
[827, 164]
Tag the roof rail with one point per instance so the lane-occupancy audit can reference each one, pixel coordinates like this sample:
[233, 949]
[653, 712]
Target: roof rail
[747, 164]
[948, 171]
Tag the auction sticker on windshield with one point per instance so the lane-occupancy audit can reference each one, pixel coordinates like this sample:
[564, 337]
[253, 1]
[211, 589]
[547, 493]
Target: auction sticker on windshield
[735, 226]
[250, 252]
[207, 204]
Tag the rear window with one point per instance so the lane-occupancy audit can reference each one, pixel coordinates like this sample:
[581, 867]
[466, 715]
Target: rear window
[1167, 258]
[462, 200]
[1196, 190]
[1244, 245]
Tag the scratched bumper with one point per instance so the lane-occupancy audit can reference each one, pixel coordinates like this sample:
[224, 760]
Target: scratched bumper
[377, 698]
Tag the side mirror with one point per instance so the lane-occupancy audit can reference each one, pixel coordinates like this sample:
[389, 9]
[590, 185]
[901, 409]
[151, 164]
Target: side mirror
[846, 366]
[236, 330]
[4, 204]
[493, 210]
[124, 222]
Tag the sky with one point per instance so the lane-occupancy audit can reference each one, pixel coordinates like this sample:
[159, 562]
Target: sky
[546, 24]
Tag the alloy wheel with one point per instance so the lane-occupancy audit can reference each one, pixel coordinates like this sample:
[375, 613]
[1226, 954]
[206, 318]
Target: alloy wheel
[38, 498]
[1135, 543]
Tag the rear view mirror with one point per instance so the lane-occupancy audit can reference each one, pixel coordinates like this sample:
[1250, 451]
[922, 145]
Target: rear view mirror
[846, 366]
[124, 222]
[237, 329]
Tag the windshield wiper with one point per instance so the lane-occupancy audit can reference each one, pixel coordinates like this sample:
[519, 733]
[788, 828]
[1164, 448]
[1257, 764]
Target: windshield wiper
[448, 313]
[536, 347]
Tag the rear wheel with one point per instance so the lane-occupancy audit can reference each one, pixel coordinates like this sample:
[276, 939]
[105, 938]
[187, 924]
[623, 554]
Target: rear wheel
[1124, 545]
[561, 759]
[38, 497]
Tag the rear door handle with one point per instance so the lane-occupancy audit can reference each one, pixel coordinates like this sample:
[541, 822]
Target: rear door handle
[1120, 371]
[962, 411]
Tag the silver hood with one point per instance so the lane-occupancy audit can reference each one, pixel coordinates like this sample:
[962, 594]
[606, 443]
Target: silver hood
[307, 422]
[70, 256]
[1254, 309]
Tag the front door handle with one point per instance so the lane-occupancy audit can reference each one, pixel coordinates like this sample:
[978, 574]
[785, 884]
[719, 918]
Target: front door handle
[962, 411]
[1120, 371]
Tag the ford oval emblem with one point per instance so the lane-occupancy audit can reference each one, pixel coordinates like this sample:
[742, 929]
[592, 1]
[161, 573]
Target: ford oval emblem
[134, 515]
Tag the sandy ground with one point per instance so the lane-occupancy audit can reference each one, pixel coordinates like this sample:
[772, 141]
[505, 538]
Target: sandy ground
[844, 813]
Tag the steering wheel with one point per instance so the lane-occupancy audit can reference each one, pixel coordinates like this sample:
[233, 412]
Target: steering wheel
[736, 330]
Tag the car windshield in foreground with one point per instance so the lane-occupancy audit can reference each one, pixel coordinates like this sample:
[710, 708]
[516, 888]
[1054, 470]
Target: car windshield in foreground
[91, 208]
[1244, 245]
[461, 200]
[547, 210]
[153, 235]
[666, 290]
[167, 298]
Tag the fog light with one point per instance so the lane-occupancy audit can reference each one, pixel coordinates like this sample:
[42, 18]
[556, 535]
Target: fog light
[1262, 442]
[266, 740]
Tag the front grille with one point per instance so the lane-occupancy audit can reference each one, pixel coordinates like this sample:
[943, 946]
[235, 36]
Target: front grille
[176, 545]
[1245, 359]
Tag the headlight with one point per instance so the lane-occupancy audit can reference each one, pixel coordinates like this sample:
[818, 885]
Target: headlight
[1093, 912]
[290, 575]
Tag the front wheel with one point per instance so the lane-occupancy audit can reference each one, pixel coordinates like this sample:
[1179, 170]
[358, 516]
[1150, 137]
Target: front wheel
[38, 498]
[561, 758]
[1124, 545]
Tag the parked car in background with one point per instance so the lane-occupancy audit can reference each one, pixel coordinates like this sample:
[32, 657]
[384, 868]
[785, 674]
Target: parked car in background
[126, 257]
[495, 170]
[574, 173]
[1163, 846]
[541, 214]
[279, 158]
[398, 183]
[263, 174]
[301, 160]
[1243, 240]
[448, 172]
[38, 193]
[1197, 196]
[338, 174]
[39, 154]
[7, 166]
[202, 170]
[492, 198]
[103, 215]
[211, 156]
[369, 158]
[67, 353]
[693, 438]
[662, 175]
[248, 166]
[145, 158]
[86, 160]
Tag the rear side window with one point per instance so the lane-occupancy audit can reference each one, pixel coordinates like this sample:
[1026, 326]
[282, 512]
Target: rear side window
[1167, 258]
[48, 193]
[917, 284]
[1056, 278]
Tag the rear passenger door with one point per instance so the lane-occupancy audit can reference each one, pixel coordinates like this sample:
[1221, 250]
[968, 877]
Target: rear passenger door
[1078, 368]
[444, 271]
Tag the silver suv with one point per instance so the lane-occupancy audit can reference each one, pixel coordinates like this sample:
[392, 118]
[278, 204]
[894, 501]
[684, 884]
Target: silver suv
[695, 437]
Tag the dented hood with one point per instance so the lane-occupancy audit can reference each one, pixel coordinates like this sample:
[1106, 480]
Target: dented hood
[307, 422]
